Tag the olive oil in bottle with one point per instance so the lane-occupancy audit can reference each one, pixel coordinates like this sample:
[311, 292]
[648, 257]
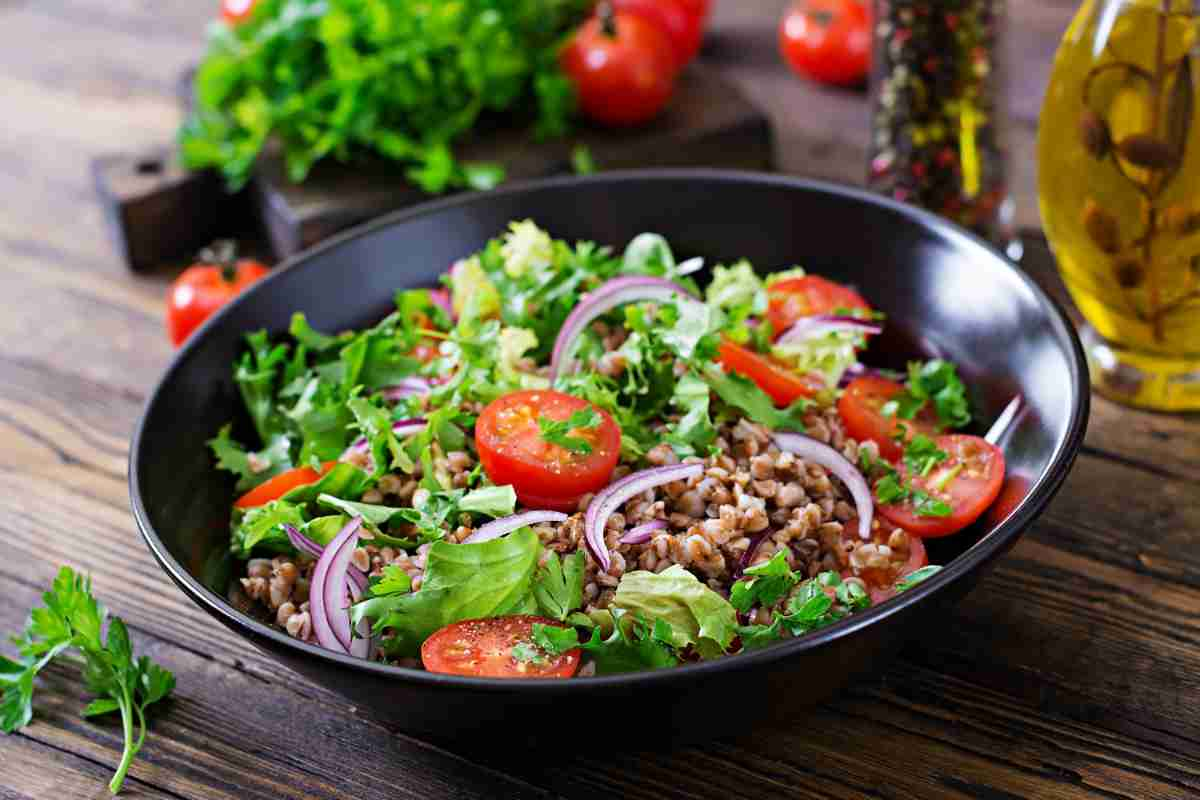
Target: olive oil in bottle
[1119, 188]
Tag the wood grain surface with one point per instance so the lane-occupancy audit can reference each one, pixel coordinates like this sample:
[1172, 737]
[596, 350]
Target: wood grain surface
[1073, 671]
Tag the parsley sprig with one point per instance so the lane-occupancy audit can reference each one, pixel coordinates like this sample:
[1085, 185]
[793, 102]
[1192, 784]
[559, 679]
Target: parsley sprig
[921, 455]
[71, 619]
[558, 431]
[935, 382]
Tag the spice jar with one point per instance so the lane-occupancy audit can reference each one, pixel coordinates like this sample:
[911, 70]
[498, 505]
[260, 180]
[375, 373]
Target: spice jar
[937, 111]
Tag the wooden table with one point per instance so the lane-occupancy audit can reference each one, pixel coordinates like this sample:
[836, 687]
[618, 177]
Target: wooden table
[1073, 671]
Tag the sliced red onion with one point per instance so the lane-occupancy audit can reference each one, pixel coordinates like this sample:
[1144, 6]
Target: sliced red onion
[1004, 421]
[748, 557]
[811, 327]
[612, 497]
[810, 449]
[441, 299]
[327, 591]
[408, 387]
[613, 293]
[302, 542]
[498, 527]
[405, 427]
[642, 533]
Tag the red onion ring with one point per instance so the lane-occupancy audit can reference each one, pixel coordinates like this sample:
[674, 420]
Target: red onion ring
[441, 299]
[810, 449]
[613, 293]
[612, 497]
[327, 591]
[811, 327]
[409, 387]
[354, 575]
[642, 533]
[302, 542]
[498, 527]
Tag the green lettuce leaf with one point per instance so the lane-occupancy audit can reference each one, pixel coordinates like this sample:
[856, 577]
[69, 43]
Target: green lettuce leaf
[696, 613]
[461, 581]
[261, 530]
[743, 394]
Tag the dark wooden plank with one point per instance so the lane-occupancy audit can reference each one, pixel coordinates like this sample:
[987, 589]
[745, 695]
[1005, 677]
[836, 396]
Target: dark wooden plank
[42, 771]
[226, 733]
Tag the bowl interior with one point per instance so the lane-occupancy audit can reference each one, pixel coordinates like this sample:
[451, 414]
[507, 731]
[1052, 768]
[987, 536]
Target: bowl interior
[944, 293]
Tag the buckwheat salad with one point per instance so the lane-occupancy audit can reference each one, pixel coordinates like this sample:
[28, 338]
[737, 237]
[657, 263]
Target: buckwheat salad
[567, 461]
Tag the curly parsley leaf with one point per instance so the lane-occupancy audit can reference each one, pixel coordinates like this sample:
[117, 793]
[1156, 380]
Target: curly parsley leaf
[935, 382]
[559, 431]
[743, 394]
[922, 454]
[765, 584]
[72, 619]
[558, 588]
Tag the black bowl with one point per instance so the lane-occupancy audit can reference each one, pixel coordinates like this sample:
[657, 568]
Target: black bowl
[945, 293]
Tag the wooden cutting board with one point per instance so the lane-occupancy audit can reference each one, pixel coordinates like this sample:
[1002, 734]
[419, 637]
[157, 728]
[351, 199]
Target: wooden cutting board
[158, 211]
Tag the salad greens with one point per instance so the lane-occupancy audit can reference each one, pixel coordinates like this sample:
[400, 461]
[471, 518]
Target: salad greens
[72, 620]
[392, 405]
[344, 79]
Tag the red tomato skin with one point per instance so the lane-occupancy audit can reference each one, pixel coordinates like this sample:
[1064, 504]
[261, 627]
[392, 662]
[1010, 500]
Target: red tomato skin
[281, 484]
[482, 648]
[917, 557]
[622, 80]
[859, 409]
[544, 476]
[970, 496]
[235, 12]
[784, 386]
[681, 20]
[200, 290]
[828, 40]
[793, 298]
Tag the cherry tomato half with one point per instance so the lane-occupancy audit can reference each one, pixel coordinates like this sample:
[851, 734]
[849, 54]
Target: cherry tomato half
[968, 481]
[860, 408]
[881, 578]
[781, 383]
[793, 298]
[682, 20]
[544, 474]
[281, 484]
[828, 40]
[236, 11]
[203, 288]
[483, 648]
[623, 68]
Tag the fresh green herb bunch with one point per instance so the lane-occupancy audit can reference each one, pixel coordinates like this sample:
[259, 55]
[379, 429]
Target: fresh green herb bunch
[72, 620]
[401, 79]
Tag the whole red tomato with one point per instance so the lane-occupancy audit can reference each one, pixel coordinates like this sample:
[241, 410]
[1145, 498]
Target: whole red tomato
[828, 40]
[623, 67]
[682, 20]
[206, 286]
[235, 11]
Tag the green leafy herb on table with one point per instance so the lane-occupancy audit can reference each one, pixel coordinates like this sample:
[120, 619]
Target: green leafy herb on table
[403, 81]
[72, 620]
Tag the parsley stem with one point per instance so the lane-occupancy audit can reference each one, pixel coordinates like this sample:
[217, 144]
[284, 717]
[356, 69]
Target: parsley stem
[118, 778]
[944, 479]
